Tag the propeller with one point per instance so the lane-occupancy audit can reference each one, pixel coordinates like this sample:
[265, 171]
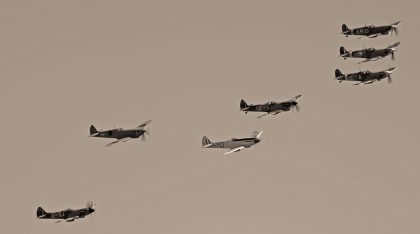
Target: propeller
[389, 72]
[393, 49]
[143, 136]
[90, 204]
[257, 134]
[297, 108]
[394, 28]
[144, 126]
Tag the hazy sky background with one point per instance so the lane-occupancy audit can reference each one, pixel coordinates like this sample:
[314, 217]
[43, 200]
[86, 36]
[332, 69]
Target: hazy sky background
[348, 163]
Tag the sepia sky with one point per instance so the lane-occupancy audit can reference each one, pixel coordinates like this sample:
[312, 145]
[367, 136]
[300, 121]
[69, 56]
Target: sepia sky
[348, 163]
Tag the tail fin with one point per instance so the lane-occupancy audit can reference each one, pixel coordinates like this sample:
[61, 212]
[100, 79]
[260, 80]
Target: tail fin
[343, 51]
[338, 74]
[40, 213]
[345, 29]
[243, 104]
[93, 130]
[205, 141]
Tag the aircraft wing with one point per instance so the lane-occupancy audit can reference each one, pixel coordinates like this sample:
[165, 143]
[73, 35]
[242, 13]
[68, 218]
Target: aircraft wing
[393, 45]
[141, 126]
[396, 23]
[71, 219]
[370, 36]
[264, 115]
[372, 59]
[235, 150]
[296, 98]
[390, 70]
[119, 141]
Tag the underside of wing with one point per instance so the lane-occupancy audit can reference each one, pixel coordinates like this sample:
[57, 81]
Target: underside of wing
[235, 150]
[268, 113]
[366, 82]
[393, 45]
[119, 141]
[370, 36]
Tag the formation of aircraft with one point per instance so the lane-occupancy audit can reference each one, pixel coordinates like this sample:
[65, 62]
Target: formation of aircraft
[234, 144]
[271, 108]
[371, 31]
[68, 215]
[370, 54]
[122, 135]
[365, 77]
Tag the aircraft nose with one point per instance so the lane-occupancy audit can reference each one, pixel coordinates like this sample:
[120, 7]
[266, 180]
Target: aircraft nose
[256, 140]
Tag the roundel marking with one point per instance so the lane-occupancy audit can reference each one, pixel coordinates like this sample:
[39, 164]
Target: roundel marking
[221, 144]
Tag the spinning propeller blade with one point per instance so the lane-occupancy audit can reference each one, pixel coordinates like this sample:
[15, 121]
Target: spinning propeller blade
[143, 136]
[90, 204]
[394, 28]
[297, 108]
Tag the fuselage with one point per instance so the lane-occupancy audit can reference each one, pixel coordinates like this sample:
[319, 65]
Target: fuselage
[64, 214]
[121, 133]
[365, 76]
[370, 30]
[235, 143]
[271, 107]
[369, 53]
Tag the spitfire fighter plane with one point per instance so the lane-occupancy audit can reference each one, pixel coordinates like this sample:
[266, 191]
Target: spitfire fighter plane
[234, 144]
[271, 108]
[67, 215]
[371, 31]
[365, 77]
[122, 135]
[370, 54]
